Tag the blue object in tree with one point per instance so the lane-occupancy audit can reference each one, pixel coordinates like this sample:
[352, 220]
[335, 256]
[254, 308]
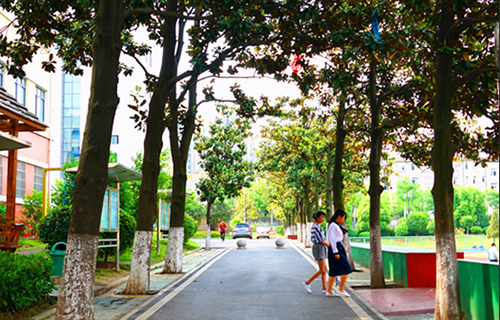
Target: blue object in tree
[375, 25]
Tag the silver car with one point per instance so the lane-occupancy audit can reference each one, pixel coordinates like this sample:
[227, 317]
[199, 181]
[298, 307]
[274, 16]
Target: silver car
[242, 230]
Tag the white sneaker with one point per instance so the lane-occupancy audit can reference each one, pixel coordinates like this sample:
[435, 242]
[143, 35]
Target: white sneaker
[333, 294]
[323, 291]
[344, 293]
[308, 287]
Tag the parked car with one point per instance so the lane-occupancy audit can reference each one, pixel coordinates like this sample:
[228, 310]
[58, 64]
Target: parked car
[242, 230]
[262, 232]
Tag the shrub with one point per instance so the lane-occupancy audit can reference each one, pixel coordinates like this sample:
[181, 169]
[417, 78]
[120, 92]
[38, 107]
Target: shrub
[3, 217]
[24, 280]
[353, 233]
[431, 227]
[364, 234]
[203, 234]
[476, 230]
[385, 231]
[127, 234]
[190, 228]
[401, 230]
[280, 230]
[32, 211]
[417, 223]
[54, 227]
[234, 222]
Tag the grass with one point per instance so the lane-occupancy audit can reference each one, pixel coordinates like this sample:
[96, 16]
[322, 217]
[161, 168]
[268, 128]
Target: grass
[29, 312]
[155, 257]
[30, 244]
[429, 242]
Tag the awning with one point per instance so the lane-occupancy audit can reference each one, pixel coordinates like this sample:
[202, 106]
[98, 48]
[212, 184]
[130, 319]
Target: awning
[9, 142]
[116, 173]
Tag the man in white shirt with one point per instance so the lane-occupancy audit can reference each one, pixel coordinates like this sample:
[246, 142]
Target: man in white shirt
[492, 253]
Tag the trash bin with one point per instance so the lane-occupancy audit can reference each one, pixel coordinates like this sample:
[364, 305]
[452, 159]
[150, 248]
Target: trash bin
[58, 252]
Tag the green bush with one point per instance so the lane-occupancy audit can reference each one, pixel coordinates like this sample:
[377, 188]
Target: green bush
[127, 234]
[431, 227]
[364, 234]
[401, 230]
[24, 280]
[32, 211]
[53, 228]
[234, 222]
[190, 228]
[203, 234]
[385, 231]
[476, 230]
[280, 229]
[353, 233]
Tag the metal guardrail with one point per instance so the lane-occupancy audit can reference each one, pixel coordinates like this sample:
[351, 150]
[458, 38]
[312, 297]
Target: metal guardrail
[463, 242]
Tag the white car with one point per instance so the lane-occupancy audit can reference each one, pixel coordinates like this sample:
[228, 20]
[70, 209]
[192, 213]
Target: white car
[262, 232]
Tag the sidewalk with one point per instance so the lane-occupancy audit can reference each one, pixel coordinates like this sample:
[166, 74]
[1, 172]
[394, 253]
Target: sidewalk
[108, 304]
[394, 302]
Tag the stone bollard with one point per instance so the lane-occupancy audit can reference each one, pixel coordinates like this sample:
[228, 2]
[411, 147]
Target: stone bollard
[242, 244]
[280, 243]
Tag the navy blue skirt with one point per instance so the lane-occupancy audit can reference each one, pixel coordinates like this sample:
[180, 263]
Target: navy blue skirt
[340, 266]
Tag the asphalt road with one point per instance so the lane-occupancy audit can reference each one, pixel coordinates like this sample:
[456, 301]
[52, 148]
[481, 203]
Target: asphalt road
[261, 282]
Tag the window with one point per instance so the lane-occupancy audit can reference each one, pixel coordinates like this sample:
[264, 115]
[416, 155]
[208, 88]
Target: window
[482, 178]
[402, 168]
[21, 91]
[38, 179]
[494, 186]
[114, 139]
[21, 179]
[414, 180]
[467, 180]
[40, 104]
[466, 165]
[2, 68]
[493, 173]
[474, 180]
[412, 168]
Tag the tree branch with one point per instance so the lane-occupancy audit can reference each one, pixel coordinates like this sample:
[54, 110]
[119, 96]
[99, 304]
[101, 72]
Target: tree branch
[474, 73]
[169, 14]
[141, 65]
[462, 24]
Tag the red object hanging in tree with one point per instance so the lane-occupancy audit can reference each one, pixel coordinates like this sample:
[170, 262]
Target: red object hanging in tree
[296, 63]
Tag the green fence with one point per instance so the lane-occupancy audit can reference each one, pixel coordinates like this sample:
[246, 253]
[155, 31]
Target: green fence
[463, 242]
[478, 289]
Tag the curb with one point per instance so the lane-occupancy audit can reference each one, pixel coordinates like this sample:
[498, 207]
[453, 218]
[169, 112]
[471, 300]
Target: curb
[100, 290]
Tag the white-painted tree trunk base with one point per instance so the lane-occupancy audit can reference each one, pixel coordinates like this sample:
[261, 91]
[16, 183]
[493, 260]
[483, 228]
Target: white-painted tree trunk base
[207, 238]
[308, 241]
[173, 258]
[447, 290]
[76, 291]
[304, 232]
[138, 281]
[299, 232]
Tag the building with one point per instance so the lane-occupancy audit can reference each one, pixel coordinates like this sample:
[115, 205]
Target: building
[26, 102]
[466, 173]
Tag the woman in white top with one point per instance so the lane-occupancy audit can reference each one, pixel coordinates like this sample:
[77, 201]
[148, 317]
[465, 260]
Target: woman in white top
[337, 260]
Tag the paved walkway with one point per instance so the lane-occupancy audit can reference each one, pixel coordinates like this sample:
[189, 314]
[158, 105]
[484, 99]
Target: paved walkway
[259, 282]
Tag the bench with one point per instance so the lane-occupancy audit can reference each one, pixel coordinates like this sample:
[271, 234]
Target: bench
[10, 242]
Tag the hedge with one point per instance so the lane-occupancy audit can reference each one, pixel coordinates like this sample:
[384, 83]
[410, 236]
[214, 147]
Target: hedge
[203, 235]
[190, 228]
[476, 230]
[364, 234]
[24, 280]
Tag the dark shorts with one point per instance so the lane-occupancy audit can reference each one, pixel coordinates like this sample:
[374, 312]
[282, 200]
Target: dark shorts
[319, 251]
[340, 266]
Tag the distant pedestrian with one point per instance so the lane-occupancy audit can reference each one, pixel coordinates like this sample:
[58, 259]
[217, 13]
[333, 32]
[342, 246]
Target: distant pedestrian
[319, 251]
[337, 260]
[222, 230]
[493, 253]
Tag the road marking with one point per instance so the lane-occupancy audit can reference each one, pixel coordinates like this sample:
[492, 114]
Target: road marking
[177, 290]
[350, 302]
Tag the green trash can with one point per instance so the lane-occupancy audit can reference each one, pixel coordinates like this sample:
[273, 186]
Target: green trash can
[58, 252]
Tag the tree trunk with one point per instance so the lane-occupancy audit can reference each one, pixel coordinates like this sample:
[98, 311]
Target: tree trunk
[329, 186]
[207, 238]
[377, 136]
[338, 178]
[138, 282]
[76, 292]
[447, 290]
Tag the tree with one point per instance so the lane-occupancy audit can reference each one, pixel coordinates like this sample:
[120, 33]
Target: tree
[467, 222]
[222, 158]
[469, 201]
[492, 231]
[492, 198]
[401, 229]
[417, 223]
